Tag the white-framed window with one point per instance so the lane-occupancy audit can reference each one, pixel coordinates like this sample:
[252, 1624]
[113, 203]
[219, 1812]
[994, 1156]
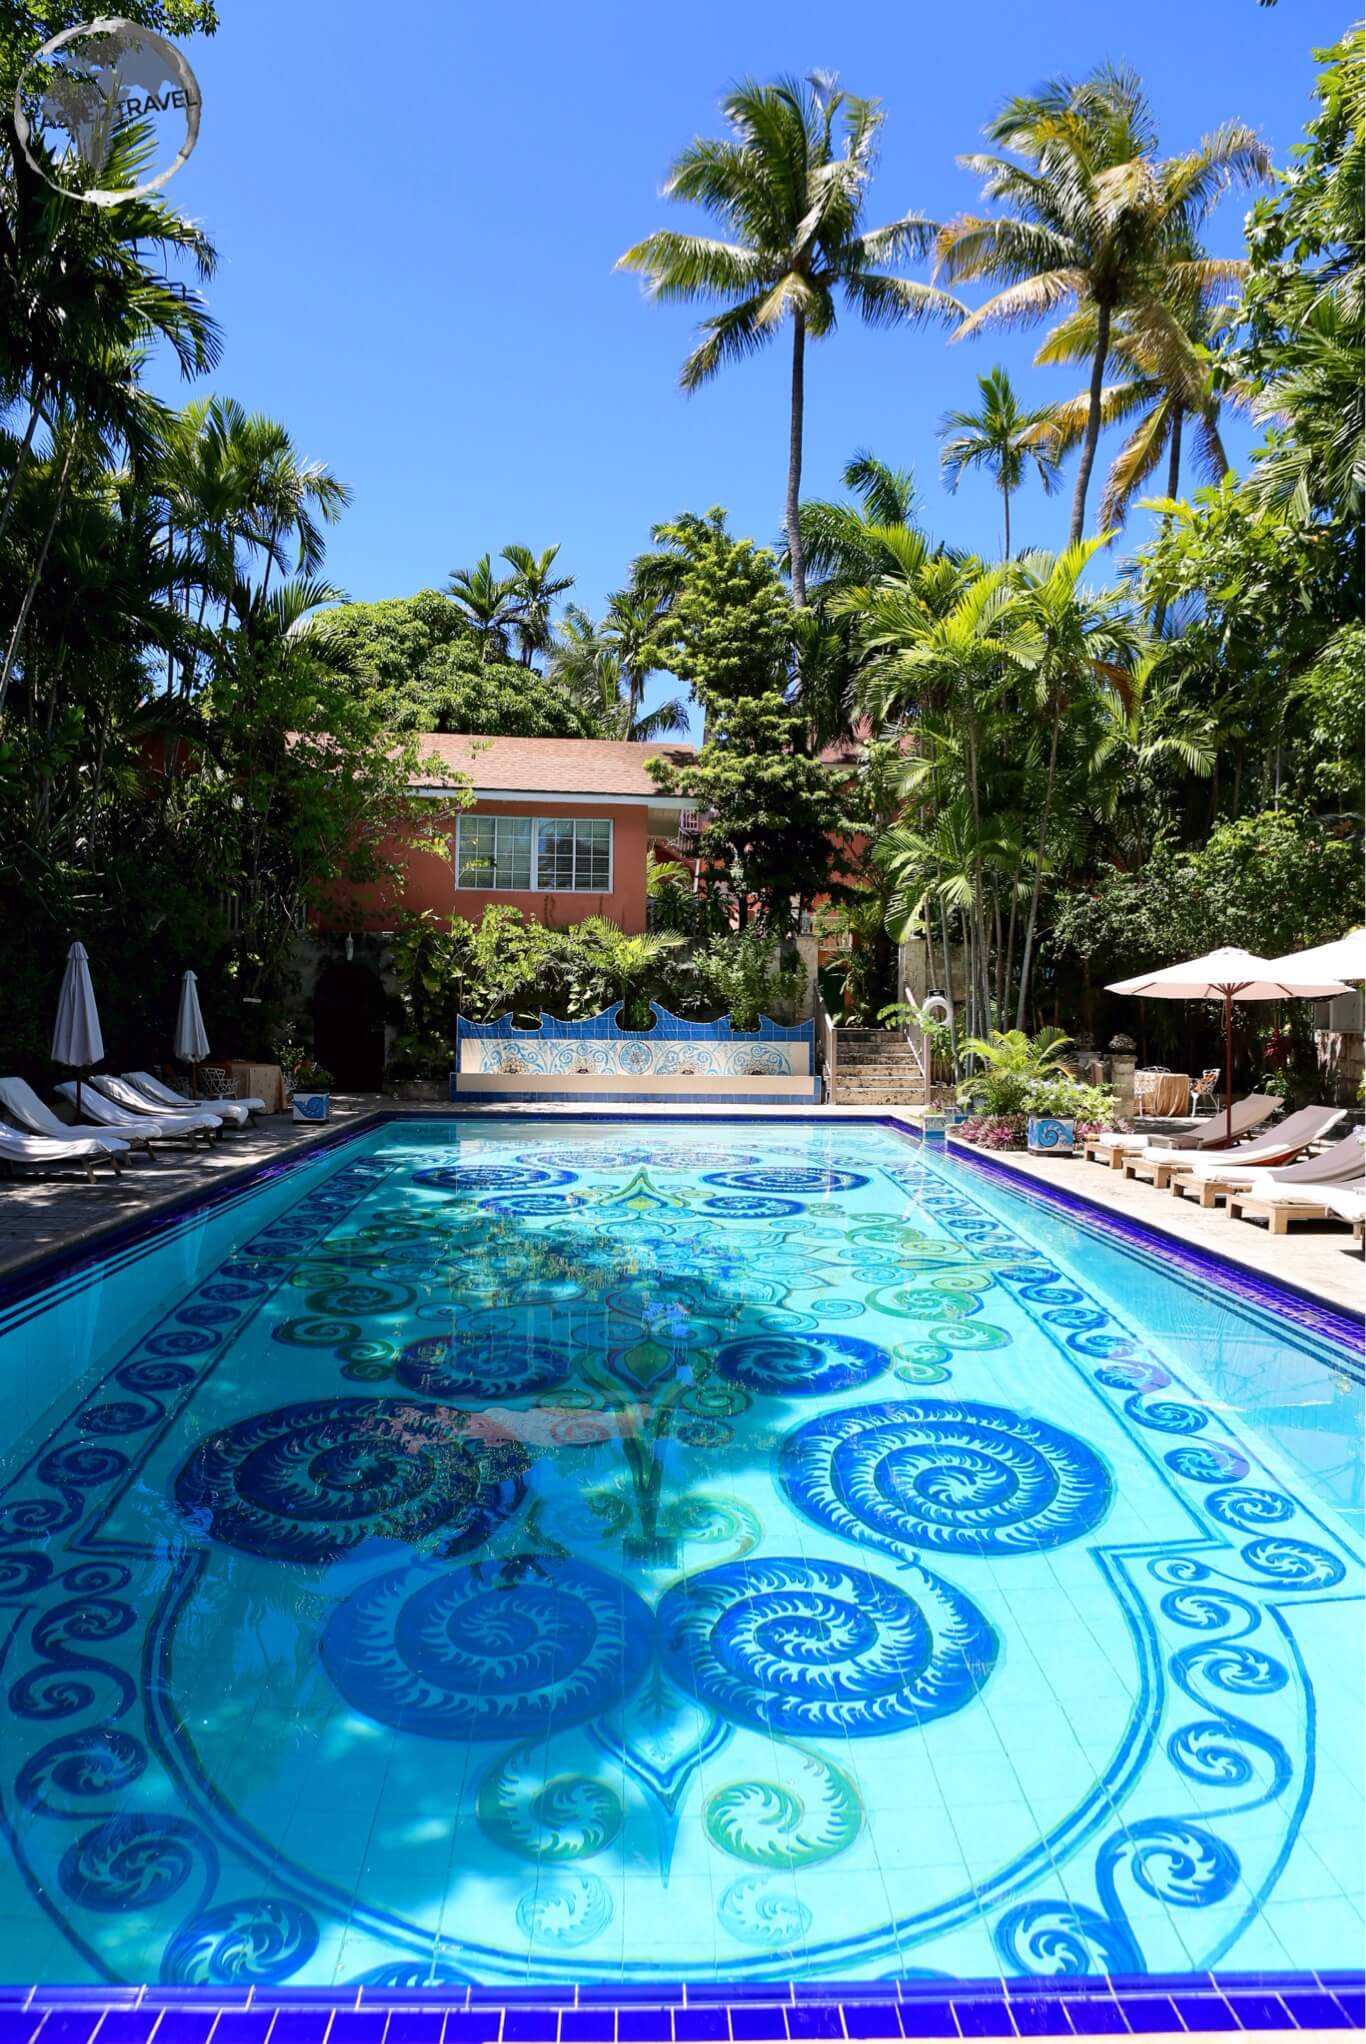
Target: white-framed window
[534, 854]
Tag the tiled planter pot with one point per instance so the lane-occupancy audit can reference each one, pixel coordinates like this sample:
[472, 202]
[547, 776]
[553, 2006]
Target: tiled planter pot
[313, 1107]
[1051, 1136]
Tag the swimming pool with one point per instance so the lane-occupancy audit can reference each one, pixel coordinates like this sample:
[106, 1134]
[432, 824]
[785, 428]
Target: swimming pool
[534, 1552]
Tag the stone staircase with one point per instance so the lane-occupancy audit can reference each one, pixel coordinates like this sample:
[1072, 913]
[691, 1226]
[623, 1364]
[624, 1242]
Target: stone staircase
[874, 1068]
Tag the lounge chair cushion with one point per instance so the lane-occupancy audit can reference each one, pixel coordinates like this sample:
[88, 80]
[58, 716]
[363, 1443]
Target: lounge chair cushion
[23, 1106]
[18, 1148]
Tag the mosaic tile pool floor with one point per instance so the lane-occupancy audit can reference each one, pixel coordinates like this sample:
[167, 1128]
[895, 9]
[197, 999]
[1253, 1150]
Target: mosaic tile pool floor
[536, 1553]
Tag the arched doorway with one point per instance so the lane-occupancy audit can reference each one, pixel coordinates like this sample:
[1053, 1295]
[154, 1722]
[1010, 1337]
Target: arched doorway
[348, 1025]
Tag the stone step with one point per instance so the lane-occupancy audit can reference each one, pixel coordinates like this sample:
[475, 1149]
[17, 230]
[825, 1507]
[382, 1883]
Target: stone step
[875, 1096]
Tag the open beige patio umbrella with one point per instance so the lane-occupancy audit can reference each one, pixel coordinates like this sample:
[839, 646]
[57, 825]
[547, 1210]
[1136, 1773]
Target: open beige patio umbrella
[1230, 975]
[1344, 958]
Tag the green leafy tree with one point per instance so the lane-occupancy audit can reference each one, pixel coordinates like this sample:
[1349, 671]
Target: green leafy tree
[788, 184]
[1003, 439]
[1299, 355]
[1092, 218]
[416, 661]
[769, 806]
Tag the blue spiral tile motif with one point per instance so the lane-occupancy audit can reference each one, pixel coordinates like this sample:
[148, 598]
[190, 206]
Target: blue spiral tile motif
[494, 1650]
[477, 1178]
[1248, 1508]
[261, 1938]
[1294, 1564]
[787, 1367]
[489, 1367]
[1207, 1462]
[565, 1909]
[759, 1910]
[308, 1482]
[100, 1761]
[1064, 1939]
[736, 1206]
[950, 1477]
[815, 1648]
[135, 1862]
[803, 1180]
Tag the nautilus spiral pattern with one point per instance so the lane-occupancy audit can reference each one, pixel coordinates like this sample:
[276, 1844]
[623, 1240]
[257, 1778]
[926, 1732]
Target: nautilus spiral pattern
[494, 1650]
[786, 1366]
[308, 1482]
[951, 1477]
[812, 1647]
[485, 1368]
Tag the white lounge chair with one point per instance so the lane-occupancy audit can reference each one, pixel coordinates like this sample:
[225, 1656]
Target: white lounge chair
[1248, 1114]
[1278, 1205]
[134, 1128]
[1280, 1145]
[28, 1112]
[237, 1112]
[132, 1102]
[1212, 1178]
[47, 1153]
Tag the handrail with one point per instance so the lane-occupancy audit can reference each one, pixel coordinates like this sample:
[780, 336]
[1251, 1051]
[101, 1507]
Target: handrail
[829, 1039]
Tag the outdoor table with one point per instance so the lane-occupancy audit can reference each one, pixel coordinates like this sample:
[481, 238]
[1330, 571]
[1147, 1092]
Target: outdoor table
[1162, 1093]
[260, 1082]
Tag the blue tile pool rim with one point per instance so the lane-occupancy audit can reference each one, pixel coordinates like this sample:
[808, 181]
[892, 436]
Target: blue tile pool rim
[1150, 2004]
[1338, 1324]
[1076, 2005]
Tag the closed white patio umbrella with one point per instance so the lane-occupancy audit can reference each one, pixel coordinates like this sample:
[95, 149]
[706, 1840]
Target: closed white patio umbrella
[76, 1039]
[1344, 958]
[1230, 975]
[191, 1037]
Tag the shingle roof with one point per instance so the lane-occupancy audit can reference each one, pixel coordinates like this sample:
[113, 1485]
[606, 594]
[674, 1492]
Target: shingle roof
[544, 766]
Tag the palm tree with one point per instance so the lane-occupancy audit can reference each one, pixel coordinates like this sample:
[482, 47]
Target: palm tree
[488, 603]
[534, 589]
[1068, 644]
[791, 203]
[588, 664]
[1166, 384]
[1094, 219]
[1002, 439]
[627, 960]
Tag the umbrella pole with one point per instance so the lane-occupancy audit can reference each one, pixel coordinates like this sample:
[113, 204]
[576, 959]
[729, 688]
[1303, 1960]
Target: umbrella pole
[1228, 1070]
[78, 1093]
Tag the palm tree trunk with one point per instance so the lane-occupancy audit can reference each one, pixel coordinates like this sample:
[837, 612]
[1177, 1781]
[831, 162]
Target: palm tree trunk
[1005, 496]
[12, 651]
[1088, 445]
[1028, 957]
[794, 458]
[1174, 453]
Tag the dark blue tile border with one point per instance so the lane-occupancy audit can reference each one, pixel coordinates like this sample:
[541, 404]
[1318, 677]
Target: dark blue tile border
[1140, 2004]
[1335, 1323]
[1143, 2004]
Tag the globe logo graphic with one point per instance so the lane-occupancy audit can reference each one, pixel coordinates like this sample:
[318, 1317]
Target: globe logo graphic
[107, 111]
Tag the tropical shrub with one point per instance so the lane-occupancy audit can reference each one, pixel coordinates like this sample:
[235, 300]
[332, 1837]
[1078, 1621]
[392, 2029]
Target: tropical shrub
[1011, 1060]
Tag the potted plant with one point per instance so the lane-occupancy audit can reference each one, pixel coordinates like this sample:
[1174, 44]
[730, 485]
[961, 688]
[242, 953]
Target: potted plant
[312, 1095]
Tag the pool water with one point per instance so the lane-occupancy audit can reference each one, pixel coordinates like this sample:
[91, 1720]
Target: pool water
[532, 1552]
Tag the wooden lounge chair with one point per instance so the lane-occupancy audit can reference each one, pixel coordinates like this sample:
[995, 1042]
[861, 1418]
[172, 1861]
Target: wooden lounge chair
[232, 1113]
[49, 1153]
[132, 1102]
[1282, 1150]
[1248, 1114]
[1279, 1205]
[33, 1115]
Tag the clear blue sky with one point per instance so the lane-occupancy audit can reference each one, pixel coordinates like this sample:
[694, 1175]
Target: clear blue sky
[418, 216]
